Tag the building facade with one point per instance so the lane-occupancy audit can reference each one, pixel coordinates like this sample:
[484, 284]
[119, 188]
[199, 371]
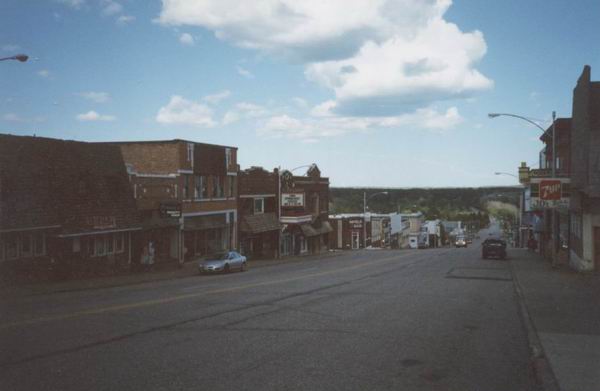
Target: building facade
[186, 193]
[66, 208]
[585, 175]
[304, 205]
[258, 206]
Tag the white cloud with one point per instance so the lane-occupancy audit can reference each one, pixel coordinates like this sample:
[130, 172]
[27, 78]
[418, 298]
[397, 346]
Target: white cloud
[98, 97]
[186, 39]
[180, 111]
[124, 19]
[245, 73]
[110, 8]
[312, 129]
[44, 73]
[302, 103]
[378, 57]
[217, 97]
[244, 110]
[94, 116]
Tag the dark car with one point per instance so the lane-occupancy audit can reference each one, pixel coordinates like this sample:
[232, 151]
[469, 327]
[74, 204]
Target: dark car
[493, 248]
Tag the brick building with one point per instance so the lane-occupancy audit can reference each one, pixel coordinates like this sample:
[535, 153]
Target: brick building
[304, 212]
[186, 193]
[64, 205]
[258, 209]
[585, 174]
[348, 231]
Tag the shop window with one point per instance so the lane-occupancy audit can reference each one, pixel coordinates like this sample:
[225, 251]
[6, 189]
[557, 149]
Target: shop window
[12, 247]
[119, 242]
[100, 247]
[110, 243]
[259, 205]
[91, 246]
[26, 248]
[76, 244]
[39, 244]
[303, 244]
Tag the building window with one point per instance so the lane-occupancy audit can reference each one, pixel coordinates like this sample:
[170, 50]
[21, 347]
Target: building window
[186, 187]
[218, 187]
[198, 187]
[227, 158]
[190, 152]
[100, 248]
[119, 242]
[12, 247]
[26, 250]
[76, 244]
[535, 190]
[110, 243]
[231, 186]
[259, 206]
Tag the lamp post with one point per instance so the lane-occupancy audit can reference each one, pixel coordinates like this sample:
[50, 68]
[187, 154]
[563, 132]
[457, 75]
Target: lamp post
[365, 199]
[18, 57]
[520, 215]
[553, 214]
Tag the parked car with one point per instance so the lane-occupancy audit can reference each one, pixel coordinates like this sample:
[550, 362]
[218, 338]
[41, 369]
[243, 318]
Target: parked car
[224, 262]
[460, 242]
[493, 248]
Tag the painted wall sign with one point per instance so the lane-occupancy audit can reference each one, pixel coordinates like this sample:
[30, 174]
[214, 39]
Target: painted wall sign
[292, 199]
[355, 223]
[550, 190]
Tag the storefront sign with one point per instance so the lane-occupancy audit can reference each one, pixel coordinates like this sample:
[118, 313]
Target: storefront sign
[102, 222]
[550, 190]
[292, 199]
[355, 223]
[170, 210]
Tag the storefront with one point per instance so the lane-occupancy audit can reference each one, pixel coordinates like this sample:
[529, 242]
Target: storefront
[209, 234]
[259, 236]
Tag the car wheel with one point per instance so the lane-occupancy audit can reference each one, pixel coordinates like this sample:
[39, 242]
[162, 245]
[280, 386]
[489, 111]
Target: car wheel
[226, 268]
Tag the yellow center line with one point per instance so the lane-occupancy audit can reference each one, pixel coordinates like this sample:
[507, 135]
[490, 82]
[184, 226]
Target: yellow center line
[146, 303]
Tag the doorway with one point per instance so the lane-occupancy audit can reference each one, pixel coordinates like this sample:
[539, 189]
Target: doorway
[355, 240]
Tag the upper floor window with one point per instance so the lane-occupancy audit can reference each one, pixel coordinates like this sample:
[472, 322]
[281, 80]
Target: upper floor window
[230, 186]
[186, 187]
[218, 186]
[190, 152]
[200, 190]
[259, 205]
[228, 158]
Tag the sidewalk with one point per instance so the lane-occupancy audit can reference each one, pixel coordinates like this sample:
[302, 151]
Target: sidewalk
[189, 269]
[564, 309]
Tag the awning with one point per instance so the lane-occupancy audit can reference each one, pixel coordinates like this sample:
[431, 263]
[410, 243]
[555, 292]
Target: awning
[309, 230]
[258, 223]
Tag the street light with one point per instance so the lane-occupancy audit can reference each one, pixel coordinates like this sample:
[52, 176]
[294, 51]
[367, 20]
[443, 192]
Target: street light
[18, 57]
[494, 115]
[365, 199]
[521, 196]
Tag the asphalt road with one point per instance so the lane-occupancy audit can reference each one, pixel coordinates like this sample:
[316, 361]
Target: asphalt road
[435, 319]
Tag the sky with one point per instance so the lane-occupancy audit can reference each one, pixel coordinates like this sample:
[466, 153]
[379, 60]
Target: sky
[377, 93]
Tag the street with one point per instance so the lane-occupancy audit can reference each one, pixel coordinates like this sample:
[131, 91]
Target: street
[434, 319]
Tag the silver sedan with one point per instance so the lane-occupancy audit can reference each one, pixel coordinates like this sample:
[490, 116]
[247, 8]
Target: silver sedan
[224, 262]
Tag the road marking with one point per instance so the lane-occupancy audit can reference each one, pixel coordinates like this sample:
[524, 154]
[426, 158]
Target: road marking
[146, 303]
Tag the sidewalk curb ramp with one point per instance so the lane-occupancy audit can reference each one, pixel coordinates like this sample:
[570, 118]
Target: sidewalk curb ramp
[539, 366]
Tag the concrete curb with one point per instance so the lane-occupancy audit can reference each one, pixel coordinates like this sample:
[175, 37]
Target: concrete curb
[538, 363]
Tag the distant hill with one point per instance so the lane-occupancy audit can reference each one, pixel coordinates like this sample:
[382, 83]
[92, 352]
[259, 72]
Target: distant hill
[443, 203]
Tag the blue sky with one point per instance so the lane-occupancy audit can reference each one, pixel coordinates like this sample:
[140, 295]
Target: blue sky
[377, 93]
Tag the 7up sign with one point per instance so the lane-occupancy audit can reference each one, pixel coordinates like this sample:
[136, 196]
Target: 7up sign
[549, 193]
[550, 190]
